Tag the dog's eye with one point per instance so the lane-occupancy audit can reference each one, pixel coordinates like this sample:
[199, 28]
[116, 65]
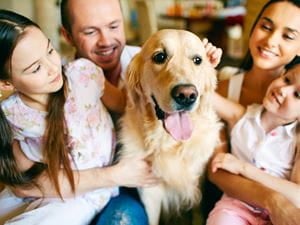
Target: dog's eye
[160, 57]
[197, 60]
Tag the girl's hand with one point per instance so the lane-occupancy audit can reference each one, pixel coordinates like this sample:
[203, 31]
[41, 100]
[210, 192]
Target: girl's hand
[213, 53]
[135, 172]
[227, 161]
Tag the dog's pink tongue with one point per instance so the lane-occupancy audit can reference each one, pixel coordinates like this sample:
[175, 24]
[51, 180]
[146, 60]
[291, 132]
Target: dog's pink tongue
[178, 125]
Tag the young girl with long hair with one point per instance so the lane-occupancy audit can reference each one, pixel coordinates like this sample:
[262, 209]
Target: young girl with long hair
[57, 138]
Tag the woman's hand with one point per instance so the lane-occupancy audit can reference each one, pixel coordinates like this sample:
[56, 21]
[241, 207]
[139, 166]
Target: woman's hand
[213, 53]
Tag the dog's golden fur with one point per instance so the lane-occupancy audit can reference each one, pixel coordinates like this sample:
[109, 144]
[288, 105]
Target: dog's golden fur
[169, 59]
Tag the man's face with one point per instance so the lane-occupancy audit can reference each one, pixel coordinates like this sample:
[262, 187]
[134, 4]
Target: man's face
[98, 31]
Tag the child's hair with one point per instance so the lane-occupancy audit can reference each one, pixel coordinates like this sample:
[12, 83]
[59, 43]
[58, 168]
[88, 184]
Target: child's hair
[295, 62]
[247, 62]
[55, 153]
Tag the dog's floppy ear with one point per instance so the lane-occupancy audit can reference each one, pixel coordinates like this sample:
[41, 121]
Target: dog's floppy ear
[134, 88]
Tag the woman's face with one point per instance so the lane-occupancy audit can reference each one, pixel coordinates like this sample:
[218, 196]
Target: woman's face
[275, 39]
[35, 65]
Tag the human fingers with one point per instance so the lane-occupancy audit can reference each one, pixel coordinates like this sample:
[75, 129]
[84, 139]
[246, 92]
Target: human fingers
[205, 41]
[214, 167]
[217, 162]
[209, 48]
[217, 54]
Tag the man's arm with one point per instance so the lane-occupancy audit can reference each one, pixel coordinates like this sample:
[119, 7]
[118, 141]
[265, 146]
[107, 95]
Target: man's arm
[113, 98]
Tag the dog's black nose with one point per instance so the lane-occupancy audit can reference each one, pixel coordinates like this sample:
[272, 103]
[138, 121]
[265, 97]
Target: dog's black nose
[184, 95]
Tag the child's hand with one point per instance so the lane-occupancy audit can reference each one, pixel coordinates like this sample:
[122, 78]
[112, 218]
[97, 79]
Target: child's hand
[227, 161]
[135, 172]
[212, 52]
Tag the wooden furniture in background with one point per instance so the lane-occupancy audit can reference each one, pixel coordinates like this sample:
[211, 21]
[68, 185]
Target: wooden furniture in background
[146, 18]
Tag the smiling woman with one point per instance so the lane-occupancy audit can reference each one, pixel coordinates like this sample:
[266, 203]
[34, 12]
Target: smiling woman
[274, 43]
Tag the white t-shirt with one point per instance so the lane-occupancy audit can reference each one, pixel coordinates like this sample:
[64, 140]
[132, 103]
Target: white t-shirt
[272, 152]
[235, 78]
[128, 53]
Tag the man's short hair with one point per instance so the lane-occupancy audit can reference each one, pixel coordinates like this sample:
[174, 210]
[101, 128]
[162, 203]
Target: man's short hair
[65, 15]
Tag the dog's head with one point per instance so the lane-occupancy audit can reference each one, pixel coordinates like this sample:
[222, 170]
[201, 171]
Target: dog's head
[173, 74]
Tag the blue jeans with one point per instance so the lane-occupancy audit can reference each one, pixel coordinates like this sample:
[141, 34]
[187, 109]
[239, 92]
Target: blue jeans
[126, 208]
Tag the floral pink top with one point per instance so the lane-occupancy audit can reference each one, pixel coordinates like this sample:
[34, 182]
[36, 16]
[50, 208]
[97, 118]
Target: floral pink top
[91, 134]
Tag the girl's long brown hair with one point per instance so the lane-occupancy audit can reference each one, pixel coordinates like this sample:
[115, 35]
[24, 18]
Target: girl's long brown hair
[55, 152]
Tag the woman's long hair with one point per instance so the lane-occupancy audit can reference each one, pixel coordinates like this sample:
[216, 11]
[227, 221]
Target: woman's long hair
[55, 152]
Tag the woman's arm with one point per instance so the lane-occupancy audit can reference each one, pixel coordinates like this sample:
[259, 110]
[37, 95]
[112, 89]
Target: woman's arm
[227, 110]
[287, 188]
[281, 210]
[295, 176]
[113, 98]
[131, 172]
[236, 166]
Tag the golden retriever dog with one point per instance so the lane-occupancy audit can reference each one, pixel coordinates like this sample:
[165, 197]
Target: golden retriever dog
[169, 117]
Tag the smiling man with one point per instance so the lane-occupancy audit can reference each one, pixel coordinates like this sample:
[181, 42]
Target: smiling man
[96, 29]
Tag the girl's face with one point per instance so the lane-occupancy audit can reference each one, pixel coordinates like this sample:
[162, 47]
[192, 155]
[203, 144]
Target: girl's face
[283, 95]
[275, 39]
[35, 66]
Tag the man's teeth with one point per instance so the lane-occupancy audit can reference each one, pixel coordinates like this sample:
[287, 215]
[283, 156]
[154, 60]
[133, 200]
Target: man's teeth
[104, 53]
